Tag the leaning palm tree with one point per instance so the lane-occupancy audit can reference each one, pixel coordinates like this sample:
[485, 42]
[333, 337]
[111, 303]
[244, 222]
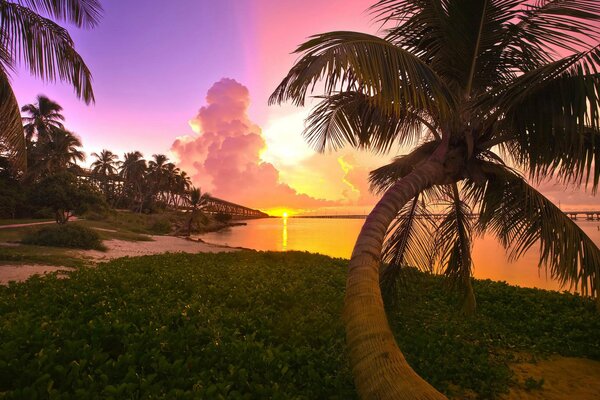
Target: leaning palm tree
[31, 38]
[104, 168]
[479, 90]
[43, 116]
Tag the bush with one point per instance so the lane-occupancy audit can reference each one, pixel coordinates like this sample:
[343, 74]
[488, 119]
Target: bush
[222, 217]
[161, 227]
[69, 235]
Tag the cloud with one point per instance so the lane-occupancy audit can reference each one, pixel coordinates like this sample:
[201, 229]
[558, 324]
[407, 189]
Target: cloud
[223, 157]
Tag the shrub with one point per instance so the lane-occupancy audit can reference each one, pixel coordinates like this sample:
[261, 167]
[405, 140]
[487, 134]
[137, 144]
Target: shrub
[161, 227]
[223, 217]
[69, 235]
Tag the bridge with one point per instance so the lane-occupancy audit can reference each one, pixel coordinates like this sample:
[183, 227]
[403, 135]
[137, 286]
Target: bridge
[216, 205]
[587, 214]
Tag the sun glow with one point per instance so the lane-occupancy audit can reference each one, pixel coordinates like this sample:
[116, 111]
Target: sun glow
[284, 214]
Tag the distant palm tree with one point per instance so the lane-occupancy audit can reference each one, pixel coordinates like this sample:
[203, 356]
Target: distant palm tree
[29, 37]
[56, 154]
[133, 172]
[198, 202]
[43, 116]
[157, 173]
[470, 85]
[104, 169]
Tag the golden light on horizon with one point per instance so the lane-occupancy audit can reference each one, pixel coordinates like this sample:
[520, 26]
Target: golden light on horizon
[284, 214]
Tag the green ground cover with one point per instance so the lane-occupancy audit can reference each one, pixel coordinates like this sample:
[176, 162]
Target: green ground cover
[254, 325]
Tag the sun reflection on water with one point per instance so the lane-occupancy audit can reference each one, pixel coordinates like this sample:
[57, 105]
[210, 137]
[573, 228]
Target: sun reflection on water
[284, 234]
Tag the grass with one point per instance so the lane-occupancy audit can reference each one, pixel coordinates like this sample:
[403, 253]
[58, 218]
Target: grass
[71, 235]
[253, 325]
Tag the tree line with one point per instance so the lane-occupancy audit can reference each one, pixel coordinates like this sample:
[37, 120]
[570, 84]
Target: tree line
[54, 155]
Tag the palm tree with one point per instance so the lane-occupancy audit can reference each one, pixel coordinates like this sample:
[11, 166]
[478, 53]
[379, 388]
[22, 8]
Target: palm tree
[157, 173]
[44, 116]
[198, 201]
[471, 87]
[133, 172]
[58, 153]
[104, 168]
[30, 37]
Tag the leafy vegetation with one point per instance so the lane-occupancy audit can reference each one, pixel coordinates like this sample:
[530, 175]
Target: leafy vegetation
[252, 325]
[73, 236]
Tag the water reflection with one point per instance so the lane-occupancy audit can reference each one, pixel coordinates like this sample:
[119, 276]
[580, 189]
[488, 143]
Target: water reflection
[336, 237]
[284, 235]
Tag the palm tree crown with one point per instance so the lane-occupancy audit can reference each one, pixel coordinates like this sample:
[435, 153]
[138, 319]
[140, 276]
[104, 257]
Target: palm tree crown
[42, 117]
[30, 37]
[473, 86]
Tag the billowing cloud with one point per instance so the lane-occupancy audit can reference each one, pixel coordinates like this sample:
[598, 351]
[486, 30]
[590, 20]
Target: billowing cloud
[223, 157]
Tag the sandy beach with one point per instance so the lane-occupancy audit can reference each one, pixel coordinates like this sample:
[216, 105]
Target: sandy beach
[115, 249]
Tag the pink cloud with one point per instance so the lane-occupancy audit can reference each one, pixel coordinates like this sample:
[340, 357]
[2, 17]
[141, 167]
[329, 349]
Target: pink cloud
[224, 157]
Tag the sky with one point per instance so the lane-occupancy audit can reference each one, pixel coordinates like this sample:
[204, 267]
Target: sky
[191, 79]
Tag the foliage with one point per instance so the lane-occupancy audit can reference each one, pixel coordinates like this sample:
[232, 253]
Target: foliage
[468, 86]
[160, 227]
[64, 195]
[235, 325]
[32, 39]
[222, 217]
[71, 235]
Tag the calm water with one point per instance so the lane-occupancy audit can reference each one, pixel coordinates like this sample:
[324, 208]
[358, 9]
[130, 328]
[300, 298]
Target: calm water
[336, 237]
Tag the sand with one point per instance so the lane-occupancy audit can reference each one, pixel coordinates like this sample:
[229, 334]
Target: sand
[19, 273]
[158, 245]
[115, 249]
[564, 378]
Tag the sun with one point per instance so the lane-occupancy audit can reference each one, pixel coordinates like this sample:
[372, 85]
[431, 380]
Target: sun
[284, 214]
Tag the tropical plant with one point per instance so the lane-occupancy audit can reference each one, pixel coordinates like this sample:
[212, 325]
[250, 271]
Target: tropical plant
[104, 169]
[31, 38]
[198, 202]
[474, 86]
[58, 153]
[132, 171]
[43, 116]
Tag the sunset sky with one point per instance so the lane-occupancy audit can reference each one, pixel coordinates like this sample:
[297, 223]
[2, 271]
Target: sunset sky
[191, 78]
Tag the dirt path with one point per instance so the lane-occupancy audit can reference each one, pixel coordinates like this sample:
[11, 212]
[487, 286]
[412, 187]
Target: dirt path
[564, 378]
[28, 224]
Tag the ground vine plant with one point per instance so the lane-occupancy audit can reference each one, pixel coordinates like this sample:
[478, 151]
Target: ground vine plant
[480, 89]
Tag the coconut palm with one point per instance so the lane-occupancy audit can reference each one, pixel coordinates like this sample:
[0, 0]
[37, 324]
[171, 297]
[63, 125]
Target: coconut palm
[132, 171]
[157, 173]
[104, 168]
[58, 153]
[473, 86]
[43, 116]
[198, 202]
[31, 38]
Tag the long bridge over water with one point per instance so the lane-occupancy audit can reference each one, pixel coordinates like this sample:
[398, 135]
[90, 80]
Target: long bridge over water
[589, 215]
[216, 205]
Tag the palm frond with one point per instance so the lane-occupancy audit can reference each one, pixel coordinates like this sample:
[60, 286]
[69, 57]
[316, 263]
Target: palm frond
[522, 217]
[45, 48]
[395, 78]
[551, 118]
[354, 118]
[409, 243]
[82, 13]
[454, 242]
[12, 139]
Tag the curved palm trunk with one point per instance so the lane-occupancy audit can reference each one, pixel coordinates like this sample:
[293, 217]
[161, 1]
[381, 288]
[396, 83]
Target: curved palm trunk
[379, 368]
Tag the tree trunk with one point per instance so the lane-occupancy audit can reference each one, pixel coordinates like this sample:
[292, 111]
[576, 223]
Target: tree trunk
[379, 367]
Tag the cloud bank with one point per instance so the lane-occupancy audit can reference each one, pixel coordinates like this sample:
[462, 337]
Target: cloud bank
[223, 157]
